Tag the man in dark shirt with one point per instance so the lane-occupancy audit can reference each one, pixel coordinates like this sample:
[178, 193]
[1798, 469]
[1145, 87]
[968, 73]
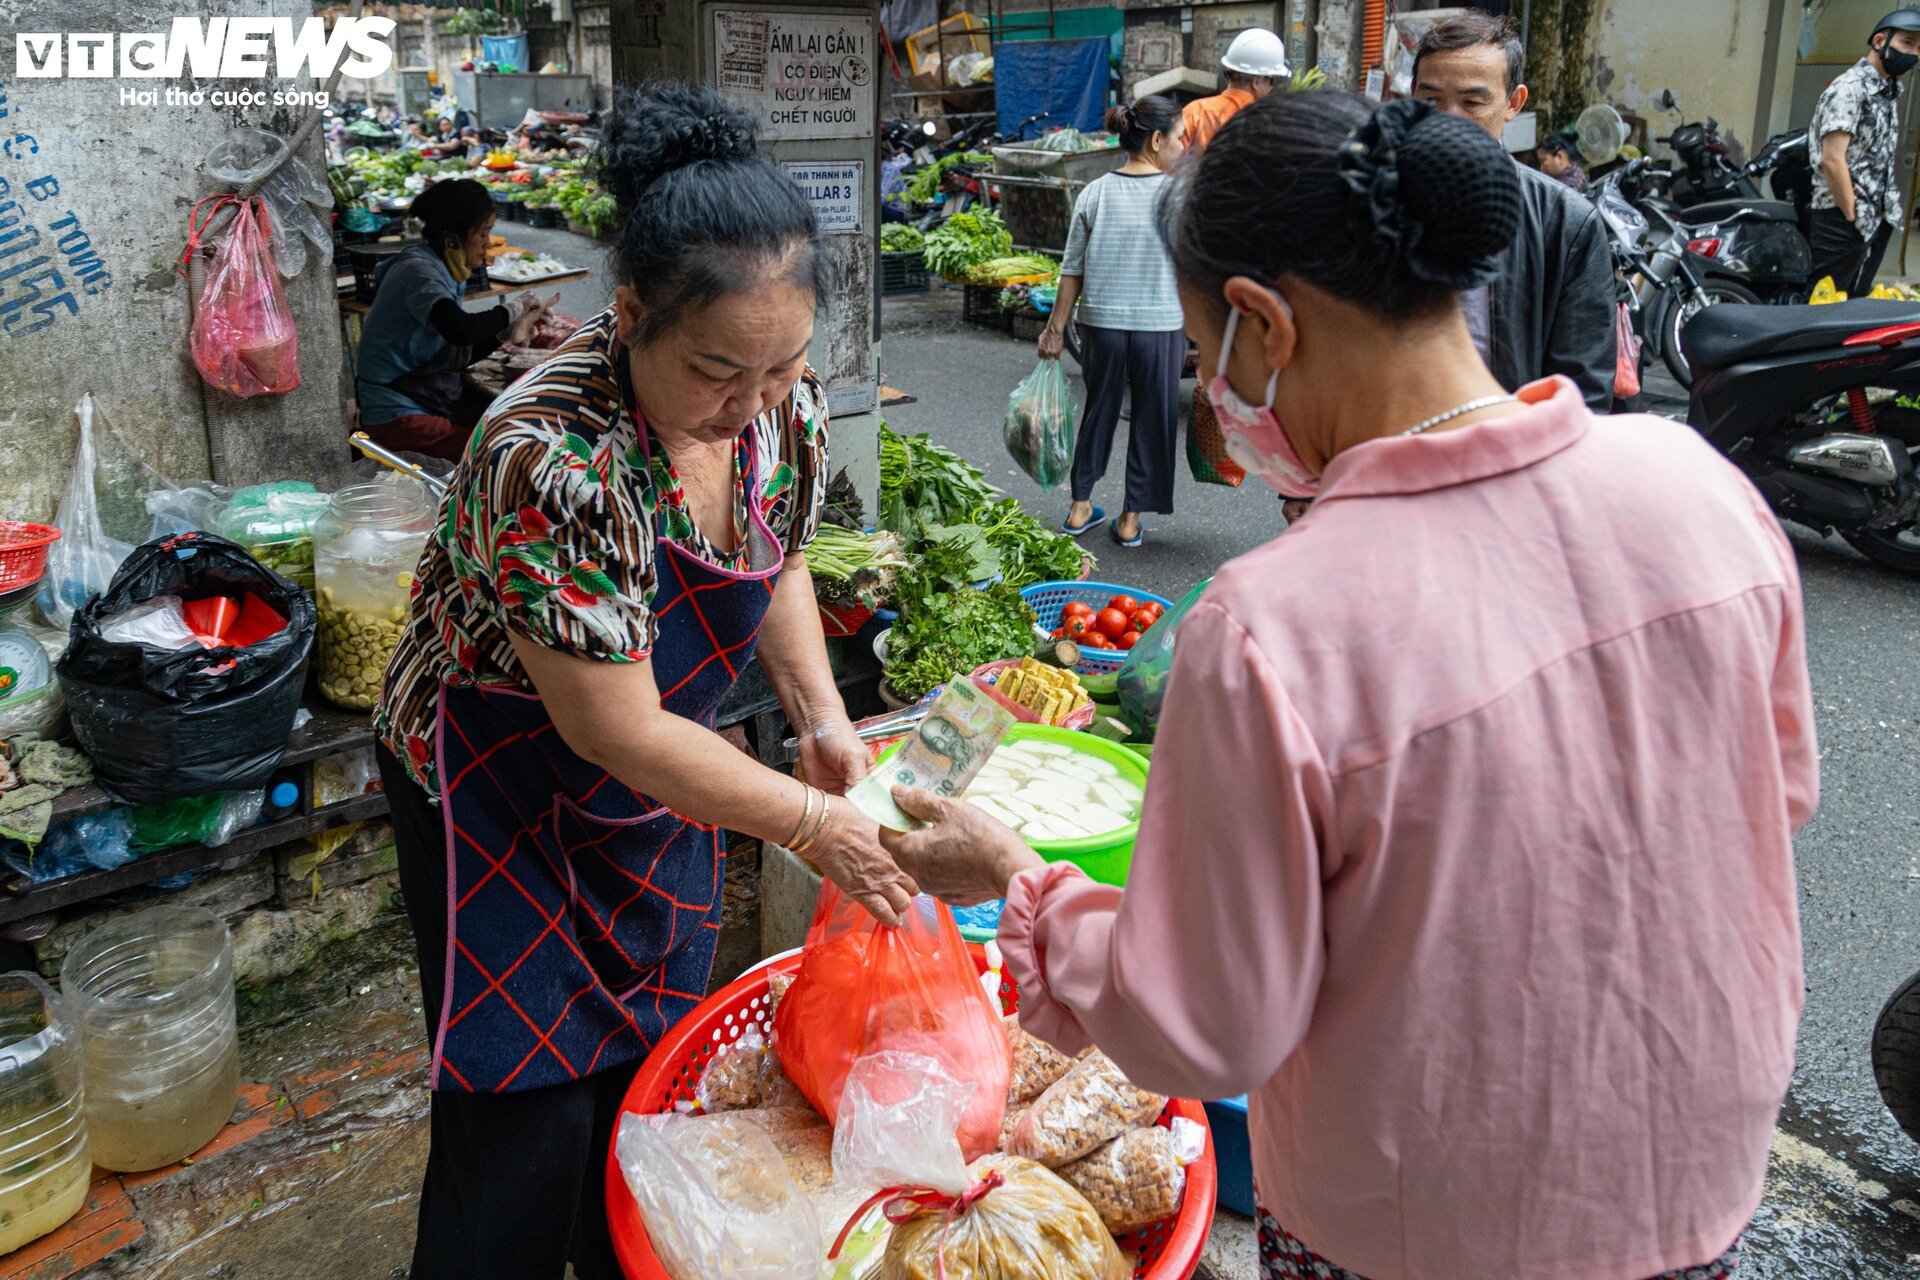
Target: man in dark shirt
[1551, 308]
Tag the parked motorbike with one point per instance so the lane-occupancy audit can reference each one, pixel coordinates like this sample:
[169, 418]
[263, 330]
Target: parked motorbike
[1896, 1055]
[1811, 402]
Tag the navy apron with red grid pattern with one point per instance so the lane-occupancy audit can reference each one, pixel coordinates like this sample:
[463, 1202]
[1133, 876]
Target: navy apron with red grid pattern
[582, 915]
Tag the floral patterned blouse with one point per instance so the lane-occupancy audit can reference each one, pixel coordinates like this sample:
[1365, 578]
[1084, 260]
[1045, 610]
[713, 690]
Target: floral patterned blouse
[549, 525]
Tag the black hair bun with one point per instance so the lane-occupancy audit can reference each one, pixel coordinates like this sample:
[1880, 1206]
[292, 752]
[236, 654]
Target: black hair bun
[659, 128]
[1442, 196]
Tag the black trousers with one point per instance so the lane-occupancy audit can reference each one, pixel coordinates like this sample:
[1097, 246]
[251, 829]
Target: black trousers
[1839, 251]
[516, 1182]
[1149, 364]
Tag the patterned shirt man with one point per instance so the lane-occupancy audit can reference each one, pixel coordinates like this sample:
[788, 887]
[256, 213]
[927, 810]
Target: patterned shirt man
[1865, 104]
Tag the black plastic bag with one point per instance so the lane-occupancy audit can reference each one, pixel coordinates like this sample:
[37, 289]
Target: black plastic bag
[162, 723]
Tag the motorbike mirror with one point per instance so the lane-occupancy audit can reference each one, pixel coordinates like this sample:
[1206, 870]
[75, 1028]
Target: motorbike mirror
[1667, 102]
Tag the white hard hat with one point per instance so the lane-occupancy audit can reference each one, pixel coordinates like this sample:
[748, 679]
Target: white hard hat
[1257, 52]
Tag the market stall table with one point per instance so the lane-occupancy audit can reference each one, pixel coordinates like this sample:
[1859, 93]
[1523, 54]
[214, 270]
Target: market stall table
[353, 310]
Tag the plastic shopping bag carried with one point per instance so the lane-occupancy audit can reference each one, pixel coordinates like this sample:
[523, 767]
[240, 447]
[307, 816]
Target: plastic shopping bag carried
[1626, 370]
[1040, 425]
[244, 341]
[863, 988]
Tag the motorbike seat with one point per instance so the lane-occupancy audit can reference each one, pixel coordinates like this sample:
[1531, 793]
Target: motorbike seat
[1730, 333]
[1726, 210]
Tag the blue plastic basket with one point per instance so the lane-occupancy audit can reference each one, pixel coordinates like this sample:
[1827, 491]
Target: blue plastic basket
[1049, 598]
[1233, 1153]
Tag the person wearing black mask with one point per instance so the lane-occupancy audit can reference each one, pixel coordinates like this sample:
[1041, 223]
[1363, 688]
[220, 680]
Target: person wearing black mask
[1856, 135]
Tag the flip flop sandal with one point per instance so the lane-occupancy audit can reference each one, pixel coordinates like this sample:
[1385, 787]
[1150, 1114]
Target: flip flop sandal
[1136, 540]
[1098, 518]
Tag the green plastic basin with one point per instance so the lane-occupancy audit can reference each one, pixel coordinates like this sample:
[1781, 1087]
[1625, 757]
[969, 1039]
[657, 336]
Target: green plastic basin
[1108, 857]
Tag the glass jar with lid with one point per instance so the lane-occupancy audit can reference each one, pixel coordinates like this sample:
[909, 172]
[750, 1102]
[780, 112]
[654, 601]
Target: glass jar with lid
[365, 549]
[46, 1162]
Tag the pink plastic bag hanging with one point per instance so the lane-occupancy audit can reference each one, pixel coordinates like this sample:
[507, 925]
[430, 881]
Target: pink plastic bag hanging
[1626, 370]
[244, 341]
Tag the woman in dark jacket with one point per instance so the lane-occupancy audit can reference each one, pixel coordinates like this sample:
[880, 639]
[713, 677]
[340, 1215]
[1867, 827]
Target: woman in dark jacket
[417, 339]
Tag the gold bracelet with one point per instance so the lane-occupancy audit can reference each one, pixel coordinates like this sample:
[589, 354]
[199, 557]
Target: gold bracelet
[826, 811]
[806, 816]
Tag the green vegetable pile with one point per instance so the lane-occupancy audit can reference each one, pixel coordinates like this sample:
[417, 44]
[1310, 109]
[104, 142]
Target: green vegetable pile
[1028, 551]
[943, 634]
[583, 202]
[1018, 267]
[850, 567]
[966, 240]
[923, 484]
[924, 184]
[900, 237]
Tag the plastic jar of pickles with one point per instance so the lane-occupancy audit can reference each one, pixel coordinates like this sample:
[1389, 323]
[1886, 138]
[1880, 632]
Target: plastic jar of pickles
[365, 549]
[152, 996]
[45, 1160]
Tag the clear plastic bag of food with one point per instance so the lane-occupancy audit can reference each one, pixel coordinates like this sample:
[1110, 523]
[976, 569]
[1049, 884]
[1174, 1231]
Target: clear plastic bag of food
[344, 776]
[999, 1219]
[1036, 1064]
[274, 522]
[1041, 420]
[1015, 1111]
[1138, 1179]
[731, 1081]
[717, 1200]
[1089, 1106]
[1022, 1223]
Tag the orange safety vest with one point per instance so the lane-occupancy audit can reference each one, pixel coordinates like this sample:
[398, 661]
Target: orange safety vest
[1204, 116]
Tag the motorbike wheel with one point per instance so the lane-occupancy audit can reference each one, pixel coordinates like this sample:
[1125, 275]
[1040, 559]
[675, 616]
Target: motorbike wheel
[1895, 549]
[1673, 310]
[1896, 1056]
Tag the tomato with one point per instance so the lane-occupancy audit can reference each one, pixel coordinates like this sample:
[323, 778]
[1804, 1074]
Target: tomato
[1078, 628]
[1128, 639]
[1059, 633]
[1075, 609]
[1111, 623]
[1159, 610]
[1094, 640]
[1143, 619]
[1125, 604]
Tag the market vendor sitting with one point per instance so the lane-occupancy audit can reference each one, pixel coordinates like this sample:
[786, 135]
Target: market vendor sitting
[626, 532]
[417, 338]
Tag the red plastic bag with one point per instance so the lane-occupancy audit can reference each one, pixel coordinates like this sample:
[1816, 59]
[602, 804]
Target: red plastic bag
[1626, 367]
[863, 988]
[244, 341]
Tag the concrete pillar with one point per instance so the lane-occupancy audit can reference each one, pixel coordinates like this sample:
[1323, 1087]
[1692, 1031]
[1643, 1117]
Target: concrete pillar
[97, 191]
[1339, 42]
[653, 38]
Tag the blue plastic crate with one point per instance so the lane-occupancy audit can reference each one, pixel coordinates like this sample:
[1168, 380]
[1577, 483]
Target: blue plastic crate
[1049, 598]
[1233, 1154]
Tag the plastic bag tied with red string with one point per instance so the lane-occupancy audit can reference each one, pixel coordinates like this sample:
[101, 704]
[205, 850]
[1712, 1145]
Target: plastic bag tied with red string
[244, 341]
[1003, 1218]
[863, 989]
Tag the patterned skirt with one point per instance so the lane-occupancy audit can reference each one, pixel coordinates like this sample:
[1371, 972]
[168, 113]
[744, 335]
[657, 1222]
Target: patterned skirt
[1284, 1258]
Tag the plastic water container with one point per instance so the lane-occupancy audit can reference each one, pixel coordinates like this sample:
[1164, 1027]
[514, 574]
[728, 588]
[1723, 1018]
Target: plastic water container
[45, 1163]
[365, 549]
[152, 997]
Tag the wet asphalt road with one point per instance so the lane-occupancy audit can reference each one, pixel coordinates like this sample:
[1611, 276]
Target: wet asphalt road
[1844, 1193]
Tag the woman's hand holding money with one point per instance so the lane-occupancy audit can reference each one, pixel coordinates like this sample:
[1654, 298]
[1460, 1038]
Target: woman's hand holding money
[849, 853]
[963, 857]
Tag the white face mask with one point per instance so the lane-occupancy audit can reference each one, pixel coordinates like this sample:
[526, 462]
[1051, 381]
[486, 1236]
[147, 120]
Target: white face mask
[1253, 435]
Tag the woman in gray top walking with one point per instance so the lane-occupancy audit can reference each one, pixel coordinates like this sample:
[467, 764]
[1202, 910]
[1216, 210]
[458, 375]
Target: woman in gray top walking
[1131, 327]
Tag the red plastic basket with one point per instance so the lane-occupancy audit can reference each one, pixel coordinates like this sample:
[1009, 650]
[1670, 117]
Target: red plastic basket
[23, 552]
[1167, 1250]
[836, 621]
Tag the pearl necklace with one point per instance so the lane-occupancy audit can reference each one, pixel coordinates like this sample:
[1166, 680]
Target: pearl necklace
[1461, 411]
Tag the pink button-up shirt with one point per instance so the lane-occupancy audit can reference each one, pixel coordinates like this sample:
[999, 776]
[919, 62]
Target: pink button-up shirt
[1468, 851]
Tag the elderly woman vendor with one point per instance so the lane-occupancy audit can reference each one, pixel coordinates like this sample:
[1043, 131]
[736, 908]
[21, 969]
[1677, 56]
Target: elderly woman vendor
[1467, 847]
[417, 338]
[626, 531]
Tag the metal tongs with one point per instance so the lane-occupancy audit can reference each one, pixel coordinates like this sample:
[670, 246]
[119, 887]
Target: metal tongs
[364, 443]
[872, 728]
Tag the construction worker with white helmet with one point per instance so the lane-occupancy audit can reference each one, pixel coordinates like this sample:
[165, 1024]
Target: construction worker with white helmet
[1254, 63]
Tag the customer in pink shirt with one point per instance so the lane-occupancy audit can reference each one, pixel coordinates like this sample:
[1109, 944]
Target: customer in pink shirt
[1467, 848]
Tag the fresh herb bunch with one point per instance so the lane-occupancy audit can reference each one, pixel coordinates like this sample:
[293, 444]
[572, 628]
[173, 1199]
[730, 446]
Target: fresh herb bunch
[924, 184]
[944, 634]
[1028, 551]
[850, 567]
[923, 484]
[965, 240]
[844, 507]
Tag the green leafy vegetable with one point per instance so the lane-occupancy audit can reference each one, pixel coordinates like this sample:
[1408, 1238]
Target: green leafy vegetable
[899, 237]
[850, 567]
[1019, 267]
[923, 184]
[923, 484]
[943, 634]
[1029, 552]
[965, 240]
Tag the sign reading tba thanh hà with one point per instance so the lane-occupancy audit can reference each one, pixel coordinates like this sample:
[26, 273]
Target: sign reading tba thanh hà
[836, 189]
[802, 75]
